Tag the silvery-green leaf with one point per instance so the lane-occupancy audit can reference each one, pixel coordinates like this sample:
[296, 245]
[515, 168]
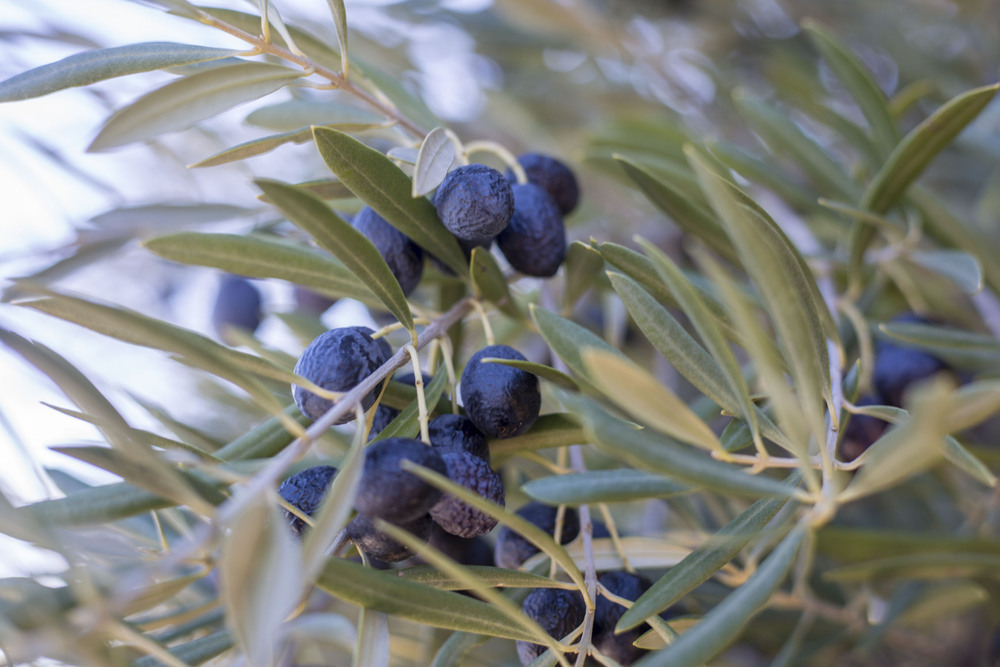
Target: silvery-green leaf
[340, 21]
[723, 624]
[296, 114]
[324, 628]
[581, 268]
[603, 486]
[645, 449]
[196, 651]
[388, 593]
[255, 147]
[262, 257]
[643, 397]
[859, 82]
[909, 449]
[372, 649]
[567, 339]
[181, 104]
[437, 152]
[346, 243]
[409, 103]
[489, 283]
[959, 267]
[166, 217]
[551, 430]
[541, 370]
[911, 156]
[407, 423]
[702, 563]
[785, 138]
[83, 69]
[492, 576]
[689, 214]
[377, 181]
[942, 565]
[454, 648]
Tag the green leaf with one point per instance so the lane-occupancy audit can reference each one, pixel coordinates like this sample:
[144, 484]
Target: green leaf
[581, 268]
[296, 114]
[911, 156]
[684, 353]
[973, 404]
[860, 84]
[658, 452]
[908, 449]
[437, 152]
[407, 423]
[83, 69]
[339, 13]
[943, 565]
[346, 243]
[643, 397]
[710, 333]
[164, 217]
[777, 269]
[719, 627]
[496, 577]
[541, 370]
[181, 104]
[784, 137]
[377, 181]
[388, 593]
[255, 147]
[489, 284]
[691, 216]
[262, 257]
[603, 486]
[567, 339]
[196, 651]
[551, 430]
[959, 267]
[454, 648]
[260, 580]
[702, 563]
[859, 544]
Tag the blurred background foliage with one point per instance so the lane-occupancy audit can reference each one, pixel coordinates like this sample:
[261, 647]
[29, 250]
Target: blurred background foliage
[585, 80]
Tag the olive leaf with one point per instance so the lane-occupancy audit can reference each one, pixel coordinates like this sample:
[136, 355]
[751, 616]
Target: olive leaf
[437, 152]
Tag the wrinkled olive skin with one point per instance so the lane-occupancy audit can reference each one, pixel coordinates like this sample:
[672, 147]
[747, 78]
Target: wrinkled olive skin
[388, 492]
[404, 257]
[512, 549]
[237, 306]
[305, 490]
[455, 432]
[607, 614]
[501, 401]
[557, 611]
[553, 176]
[535, 240]
[475, 203]
[338, 360]
[376, 544]
[475, 474]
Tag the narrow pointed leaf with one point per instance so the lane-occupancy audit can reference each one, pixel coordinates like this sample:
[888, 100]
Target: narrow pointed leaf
[541, 370]
[372, 649]
[339, 14]
[388, 593]
[295, 114]
[83, 69]
[943, 565]
[653, 451]
[640, 395]
[346, 243]
[407, 423]
[551, 430]
[181, 104]
[959, 267]
[260, 257]
[702, 563]
[196, 651]
[489, 283]
[911, 156]
[255, 147]
[567, 339]
[437, 152]
[165, 217]
[497, 577]
[377, 181]
[603, 486]
[581, 269]
[690, 215]
[719, 627]
[860, 84]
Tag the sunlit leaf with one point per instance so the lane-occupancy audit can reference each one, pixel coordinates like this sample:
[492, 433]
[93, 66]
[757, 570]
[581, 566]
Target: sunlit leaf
[296, 114]
[255, 147]
[640, 395]
[377, 181]
[183, 103]
[83, 69]
[437, 152]
[345, 242]
[603, 486]
[959, 267]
